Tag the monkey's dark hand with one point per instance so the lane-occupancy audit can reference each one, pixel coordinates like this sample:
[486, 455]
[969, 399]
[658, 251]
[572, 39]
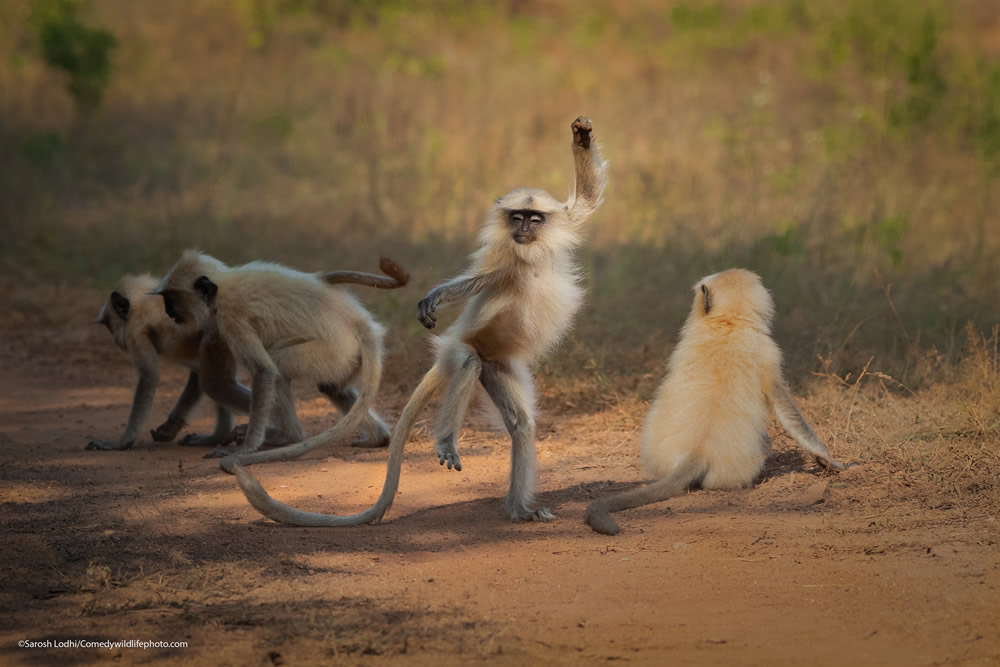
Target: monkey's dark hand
[582, 127]
[831, 464]
[168, 430]
[105, 446]
[426, 309]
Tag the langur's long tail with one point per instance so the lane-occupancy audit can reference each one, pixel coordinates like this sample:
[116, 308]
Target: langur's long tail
[599, 512]
[395, 276]
[283, 513]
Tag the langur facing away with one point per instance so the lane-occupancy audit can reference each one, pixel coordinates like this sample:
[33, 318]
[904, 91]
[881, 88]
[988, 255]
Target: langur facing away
[708, 424]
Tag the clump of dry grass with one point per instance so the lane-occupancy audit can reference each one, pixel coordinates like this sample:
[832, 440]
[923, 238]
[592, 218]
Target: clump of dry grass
[939, 444]
[845, 151]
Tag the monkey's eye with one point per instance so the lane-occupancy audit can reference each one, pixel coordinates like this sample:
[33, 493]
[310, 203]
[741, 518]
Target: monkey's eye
[517, 218]
[537, 218]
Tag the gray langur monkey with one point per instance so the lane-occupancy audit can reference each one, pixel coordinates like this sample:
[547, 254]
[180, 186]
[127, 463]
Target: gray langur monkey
[281, 324]
[139, 326]
[708, 424]
[521, 291]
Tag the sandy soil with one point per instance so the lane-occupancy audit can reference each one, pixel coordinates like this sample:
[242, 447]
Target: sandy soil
[158, 544]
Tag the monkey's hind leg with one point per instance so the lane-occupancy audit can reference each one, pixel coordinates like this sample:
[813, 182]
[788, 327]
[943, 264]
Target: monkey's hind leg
[510, 389]
[376, 431]
[467, 369]
[683, 476]
[285, 428]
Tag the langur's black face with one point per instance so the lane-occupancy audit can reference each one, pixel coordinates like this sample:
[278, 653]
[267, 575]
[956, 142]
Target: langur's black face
[525, 224]
[170, 298]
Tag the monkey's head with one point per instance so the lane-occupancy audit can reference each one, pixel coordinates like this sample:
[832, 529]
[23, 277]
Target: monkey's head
[189, 289]
[735, 295]
[119, 307]
[528, 221]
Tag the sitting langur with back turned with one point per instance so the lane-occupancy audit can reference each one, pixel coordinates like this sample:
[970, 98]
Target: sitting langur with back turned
[521, 294]
[281, 324]
[139, 326]
[708, 424]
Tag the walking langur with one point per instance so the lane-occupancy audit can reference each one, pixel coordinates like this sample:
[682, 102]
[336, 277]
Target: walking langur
[708, 424]
[139, 326]
[281, 324]
[521, 292]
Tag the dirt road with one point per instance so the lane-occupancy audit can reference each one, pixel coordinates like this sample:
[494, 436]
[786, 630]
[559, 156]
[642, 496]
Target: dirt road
[158, 544]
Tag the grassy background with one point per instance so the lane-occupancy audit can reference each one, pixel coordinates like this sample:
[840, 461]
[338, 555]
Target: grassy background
[847, 150]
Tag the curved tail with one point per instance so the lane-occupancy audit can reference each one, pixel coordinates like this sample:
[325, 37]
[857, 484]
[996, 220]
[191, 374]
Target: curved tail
[282, 513]
[599, 512]
[395, 276]
[370, 377]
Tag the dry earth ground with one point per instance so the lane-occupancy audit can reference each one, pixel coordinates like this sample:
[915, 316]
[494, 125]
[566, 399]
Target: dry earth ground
[893, 562]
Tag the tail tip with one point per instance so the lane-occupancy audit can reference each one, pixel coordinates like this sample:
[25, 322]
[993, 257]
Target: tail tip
[394, 270]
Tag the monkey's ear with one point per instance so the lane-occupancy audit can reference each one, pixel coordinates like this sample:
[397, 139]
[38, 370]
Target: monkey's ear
[708, 298]
[120, 305]
[206, 288]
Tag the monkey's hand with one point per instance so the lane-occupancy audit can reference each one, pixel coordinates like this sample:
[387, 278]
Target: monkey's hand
[426, 308]
[168, 430]
[106, 446]
[831, 464]
[582, 127]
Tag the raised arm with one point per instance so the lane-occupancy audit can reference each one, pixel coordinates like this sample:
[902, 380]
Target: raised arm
[591, 172]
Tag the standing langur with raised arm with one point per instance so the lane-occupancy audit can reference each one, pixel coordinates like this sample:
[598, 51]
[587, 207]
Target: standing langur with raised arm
[708, 424]
[139, 326]
[281, 324]
[521, 292]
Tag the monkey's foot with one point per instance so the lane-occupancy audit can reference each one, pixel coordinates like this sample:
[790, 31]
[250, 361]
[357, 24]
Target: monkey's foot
[106, 446]
[197, 440]
[219, 453]
[541, 514]
[222, 452]
[372, 441]
[447, 451]
[582, 127]
[600, 521]
[168, 430]
[273, 437]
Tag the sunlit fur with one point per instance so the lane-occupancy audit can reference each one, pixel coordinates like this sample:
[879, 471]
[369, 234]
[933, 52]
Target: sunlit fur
[520, 299]
[713, 403]
[282, 324]
[708, 423]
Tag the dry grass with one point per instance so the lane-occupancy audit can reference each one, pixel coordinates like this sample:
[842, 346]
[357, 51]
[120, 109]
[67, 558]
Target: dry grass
[845, 151]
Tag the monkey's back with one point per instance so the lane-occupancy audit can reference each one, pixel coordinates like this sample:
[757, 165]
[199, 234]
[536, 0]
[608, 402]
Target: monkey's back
[306, 326]
[712, 404]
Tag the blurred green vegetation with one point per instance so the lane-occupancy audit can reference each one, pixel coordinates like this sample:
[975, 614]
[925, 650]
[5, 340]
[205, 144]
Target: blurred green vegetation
[846, 150]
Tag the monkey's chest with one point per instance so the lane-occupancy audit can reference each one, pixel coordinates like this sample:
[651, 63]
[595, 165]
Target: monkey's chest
[529, 321]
